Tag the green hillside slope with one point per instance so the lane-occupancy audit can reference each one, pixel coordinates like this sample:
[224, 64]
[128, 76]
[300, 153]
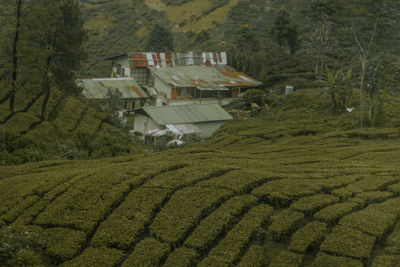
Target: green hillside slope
[75, 129]
[117, 26]
[296, 187]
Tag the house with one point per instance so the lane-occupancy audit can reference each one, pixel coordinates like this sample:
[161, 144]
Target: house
[133, 95]
[182, 78]
[202, 119]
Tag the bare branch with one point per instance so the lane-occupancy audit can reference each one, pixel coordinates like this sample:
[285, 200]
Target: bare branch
[358, 42]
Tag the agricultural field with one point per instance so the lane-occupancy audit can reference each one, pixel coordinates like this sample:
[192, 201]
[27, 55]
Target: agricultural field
[288, 189]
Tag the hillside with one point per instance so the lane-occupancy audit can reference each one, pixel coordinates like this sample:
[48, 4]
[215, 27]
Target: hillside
[117, 26]
[74, 129]
[295, 187]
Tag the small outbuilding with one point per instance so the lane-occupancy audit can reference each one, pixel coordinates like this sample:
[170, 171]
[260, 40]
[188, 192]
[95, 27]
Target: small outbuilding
[204, 119]
[132, 94]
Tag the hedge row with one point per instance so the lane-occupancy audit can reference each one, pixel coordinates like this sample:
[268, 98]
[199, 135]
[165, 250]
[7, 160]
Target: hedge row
[284, 191]
[393, 241]
[284, 222]
[86, 202]
[395, 188]
[126, 224]
[104, 257]
[19, 187]
[19, 208]
[309, 205]
[307, 236]
[386, 261]
[346, 241]
[230, 247]
[364, 185]
[184, 210]
[148, 252]
[374, 196]
[238, 180]
[218, 222]
[287, 258]
[370, 221]
[182, 257]
[254, 257]
[182, 177]
[62, 244]
[331, 213]
[326, 260]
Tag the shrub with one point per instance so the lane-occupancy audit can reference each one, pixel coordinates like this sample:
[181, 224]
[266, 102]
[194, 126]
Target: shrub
[254, 257]
[20, 248]
[184, 210]
[373, 196]
[284, 223]
[182, 257]
[332, 213]
[106, 257]
[311, 204]
[287, 258]
[371, 221]
[386, 261]
[62, 244]
[148, 252]
[393, 241]
[346, 241]
[230, 247]
[218, 222]
[126, 224]
[254, 96]
[334, 261]
[307, 236]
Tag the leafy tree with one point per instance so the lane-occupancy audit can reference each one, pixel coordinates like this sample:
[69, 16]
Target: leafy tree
[245, 40]
[285, 32]
[59, 40]
[321, 13]
[41, 50]
[13, 17]
[254, 96]
[113, 101]
[340, 88]
[160, 40]
[201, 38]
[371, 24]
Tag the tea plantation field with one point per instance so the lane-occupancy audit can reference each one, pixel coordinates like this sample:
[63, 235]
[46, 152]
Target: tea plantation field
[269, 191]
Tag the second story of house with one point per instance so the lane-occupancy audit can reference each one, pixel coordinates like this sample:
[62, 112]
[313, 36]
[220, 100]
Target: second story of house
[182, 77]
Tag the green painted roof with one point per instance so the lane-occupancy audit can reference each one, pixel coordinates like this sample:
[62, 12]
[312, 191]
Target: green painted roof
[187, 113]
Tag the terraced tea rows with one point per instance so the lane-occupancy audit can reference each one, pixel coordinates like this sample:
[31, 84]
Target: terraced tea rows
[325, 199]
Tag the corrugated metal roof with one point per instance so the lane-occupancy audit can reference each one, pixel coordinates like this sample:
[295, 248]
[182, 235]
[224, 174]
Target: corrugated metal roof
[216, 78]
[187, 114]
[146, 59]
[98, 88]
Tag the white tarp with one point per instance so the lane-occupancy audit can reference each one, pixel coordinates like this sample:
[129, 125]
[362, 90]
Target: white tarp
[181, 129]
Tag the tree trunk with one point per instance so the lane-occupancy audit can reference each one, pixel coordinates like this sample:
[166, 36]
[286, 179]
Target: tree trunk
[370, 105]
[333, 95]
[45, 101]
[363, 68]
[15, 56]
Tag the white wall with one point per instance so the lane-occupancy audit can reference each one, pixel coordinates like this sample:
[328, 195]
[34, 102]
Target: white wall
[124, 62]
[141, 121]
[208, 128]
[162, 87]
